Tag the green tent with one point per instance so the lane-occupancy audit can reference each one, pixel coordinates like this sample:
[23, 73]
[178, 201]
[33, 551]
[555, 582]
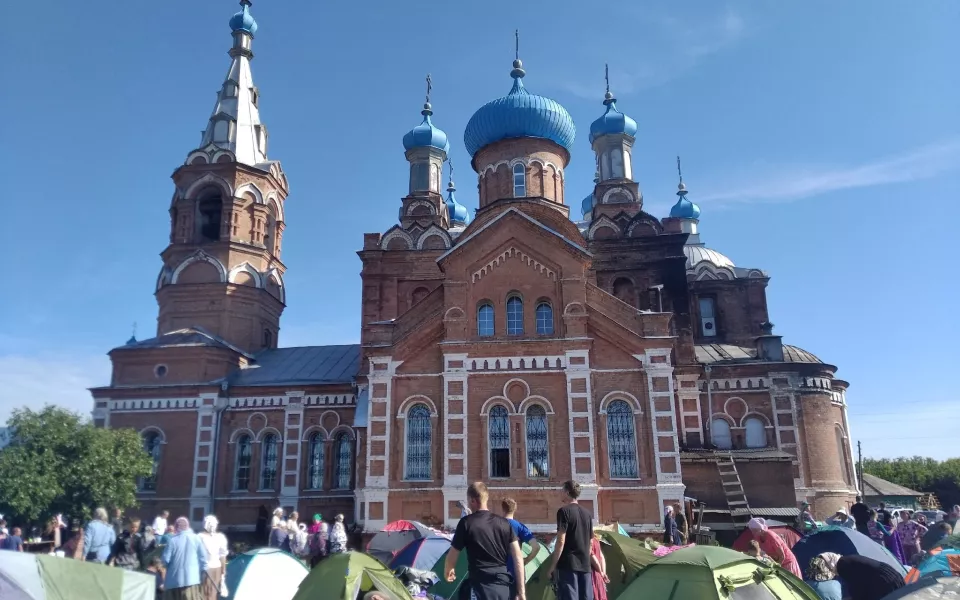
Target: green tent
[446, 589]
[265, 573]
[625, 557]
[714, 573]
[43, 577]
[348, 576]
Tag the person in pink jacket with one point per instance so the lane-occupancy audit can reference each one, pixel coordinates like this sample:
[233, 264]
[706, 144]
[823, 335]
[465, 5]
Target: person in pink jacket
[774, 546]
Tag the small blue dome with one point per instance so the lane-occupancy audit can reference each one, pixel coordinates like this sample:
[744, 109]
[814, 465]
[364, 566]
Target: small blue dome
[519, 114]
[684, 209]
[243, 20]
[459, 215]
[587, 205]
[612, 121]
[425, 135]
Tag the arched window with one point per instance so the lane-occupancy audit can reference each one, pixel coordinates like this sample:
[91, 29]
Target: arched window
[720, 434]
[344, 465]
[241, 478]
[756, 433]
[268, 462]
[621, 441]
[623, 289]
[499, 434]
[270, 230]
[151, 445]
[514, 316]
[315, 462]
[419, 447]
[485, 320]
[843, 453]
[538, 456]
[544, 319]
[267, 338]
[519, 180]
[210, 208]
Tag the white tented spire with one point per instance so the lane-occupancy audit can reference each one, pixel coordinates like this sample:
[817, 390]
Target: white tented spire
[235, 122]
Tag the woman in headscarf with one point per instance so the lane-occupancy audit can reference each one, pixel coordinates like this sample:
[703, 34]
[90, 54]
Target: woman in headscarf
[805, 521]
[876, 529]
[671, 536]
[599, 565]
[318, 540]
[822, 576]
[893, 541]
[338, 536]
[278, 531]
[868, 579]
[910, 533]
[774, 546]
[216, 545]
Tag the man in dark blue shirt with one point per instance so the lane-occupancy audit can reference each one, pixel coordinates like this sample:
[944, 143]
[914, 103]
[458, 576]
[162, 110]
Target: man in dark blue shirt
[13, 541]
[524, 536]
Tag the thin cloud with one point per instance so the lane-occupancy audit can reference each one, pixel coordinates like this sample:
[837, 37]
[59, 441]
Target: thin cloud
[670, 46]
[34, 381]
[787, 184]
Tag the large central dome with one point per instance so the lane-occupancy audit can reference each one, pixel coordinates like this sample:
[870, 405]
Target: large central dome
[519, 114]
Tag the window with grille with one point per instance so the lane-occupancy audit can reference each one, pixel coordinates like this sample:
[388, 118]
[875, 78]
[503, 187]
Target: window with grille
[708, 319]
[514, 316]
[241, 479]
[315, 462]
[621, 441]
[485, 320]
[344, 458]
[544, 319]
[419, 438]
[151, 445]
[537, 453]
[268, 462]
[499, 434]
[519, 181]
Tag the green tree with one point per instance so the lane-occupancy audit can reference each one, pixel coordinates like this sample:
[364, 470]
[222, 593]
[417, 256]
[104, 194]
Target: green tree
[59, 463]
[941, 478]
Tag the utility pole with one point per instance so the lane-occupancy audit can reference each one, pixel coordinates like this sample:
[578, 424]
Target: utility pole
[859, 468]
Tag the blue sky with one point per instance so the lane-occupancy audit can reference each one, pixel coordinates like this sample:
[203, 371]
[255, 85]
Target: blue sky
[821, 140]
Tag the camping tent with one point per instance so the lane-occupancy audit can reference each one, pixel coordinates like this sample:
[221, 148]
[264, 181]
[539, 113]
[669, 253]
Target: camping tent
[713, 573]
[45, 577]
[790, 535]
[421, 554]
[845, 542]
[446, 589]
[392, 538]
[348, 576]
[940, 562]
[264, 573]
[625, 558]
[928, 588]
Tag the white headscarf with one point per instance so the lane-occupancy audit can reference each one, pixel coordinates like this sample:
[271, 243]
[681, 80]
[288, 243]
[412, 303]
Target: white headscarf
[756, 525]
[210, 523]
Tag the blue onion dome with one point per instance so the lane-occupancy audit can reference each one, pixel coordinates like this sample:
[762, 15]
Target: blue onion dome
[459, 215]
[519, 114]
[684, 209]
[426, 135]
[587, 205]
[243, 20]
[613, 121]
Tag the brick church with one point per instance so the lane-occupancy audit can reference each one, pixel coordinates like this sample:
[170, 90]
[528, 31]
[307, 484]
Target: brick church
[519, 346]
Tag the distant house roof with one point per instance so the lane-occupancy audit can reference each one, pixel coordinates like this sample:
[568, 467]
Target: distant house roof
[874, 486]
[189, 336]
[720, 353]
[300, 366]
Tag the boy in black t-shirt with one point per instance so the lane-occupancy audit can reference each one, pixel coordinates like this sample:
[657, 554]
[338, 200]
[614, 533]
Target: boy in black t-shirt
[571, 553]
[490, 543]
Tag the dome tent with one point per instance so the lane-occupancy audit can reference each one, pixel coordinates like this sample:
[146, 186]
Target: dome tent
[421, 554]
[845, 542]
[264, 573]
[43, 577]
[714, 573]
[446, 589]
[348, 576]
[395, 536]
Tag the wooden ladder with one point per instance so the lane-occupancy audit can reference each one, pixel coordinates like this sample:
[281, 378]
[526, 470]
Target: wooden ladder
[733, 489]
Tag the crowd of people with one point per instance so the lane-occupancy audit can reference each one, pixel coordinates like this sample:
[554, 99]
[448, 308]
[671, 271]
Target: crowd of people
[311, 543]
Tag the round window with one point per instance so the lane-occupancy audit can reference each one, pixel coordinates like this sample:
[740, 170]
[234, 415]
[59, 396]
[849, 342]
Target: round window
[160, 370]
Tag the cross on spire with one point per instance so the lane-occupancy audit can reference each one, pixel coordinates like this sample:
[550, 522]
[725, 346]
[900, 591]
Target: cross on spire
[516, 35]
[450, 162]
[679, 172]
[429, 87]
[606, 75]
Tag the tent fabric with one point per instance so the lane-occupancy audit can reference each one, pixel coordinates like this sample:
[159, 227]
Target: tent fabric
[714, 573]
[44, 577]
[928, 588]
[845, 542]
[348, 576]
[939, 562]
[396, 535]
[934, 538]
[421, 554]
[264, 573]
[790, 535]
[446, 589]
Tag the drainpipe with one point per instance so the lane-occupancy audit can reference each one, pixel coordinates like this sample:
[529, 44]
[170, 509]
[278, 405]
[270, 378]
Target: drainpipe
[709, 427]
[225, 388]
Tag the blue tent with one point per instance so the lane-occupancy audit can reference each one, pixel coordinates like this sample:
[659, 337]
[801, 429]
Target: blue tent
[845, 542]
[421, 554]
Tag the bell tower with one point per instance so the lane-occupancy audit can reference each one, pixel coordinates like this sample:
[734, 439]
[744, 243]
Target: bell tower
[222, 270]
